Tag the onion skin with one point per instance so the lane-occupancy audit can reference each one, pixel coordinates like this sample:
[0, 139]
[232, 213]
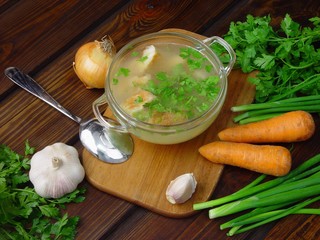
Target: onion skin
[92, 62]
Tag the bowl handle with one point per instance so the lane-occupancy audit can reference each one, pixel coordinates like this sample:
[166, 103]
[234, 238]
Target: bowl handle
[106, 122]
[227, 47]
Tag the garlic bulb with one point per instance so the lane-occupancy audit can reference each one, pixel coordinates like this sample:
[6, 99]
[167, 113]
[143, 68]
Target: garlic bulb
[181, 188]
[56, 170]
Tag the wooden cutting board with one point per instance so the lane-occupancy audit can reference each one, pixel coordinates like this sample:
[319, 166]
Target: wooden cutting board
[144, 178]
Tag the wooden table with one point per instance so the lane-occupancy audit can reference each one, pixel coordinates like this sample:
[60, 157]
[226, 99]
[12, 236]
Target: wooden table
[41, 38]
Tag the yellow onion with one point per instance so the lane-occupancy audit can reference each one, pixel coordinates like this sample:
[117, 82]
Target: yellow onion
[92, 62]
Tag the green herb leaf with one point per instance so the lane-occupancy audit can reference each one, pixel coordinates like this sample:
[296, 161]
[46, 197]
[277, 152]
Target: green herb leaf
[142, 59]
[115, 81]
[289, 27]
[123, 72]
[139, 99]
[265, 62]
[28, 150]
[194, 58]
[135, 54]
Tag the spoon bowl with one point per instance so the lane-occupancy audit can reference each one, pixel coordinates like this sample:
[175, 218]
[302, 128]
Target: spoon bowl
[106, 144]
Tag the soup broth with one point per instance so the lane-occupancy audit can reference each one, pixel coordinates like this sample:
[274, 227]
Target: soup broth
[165, 84]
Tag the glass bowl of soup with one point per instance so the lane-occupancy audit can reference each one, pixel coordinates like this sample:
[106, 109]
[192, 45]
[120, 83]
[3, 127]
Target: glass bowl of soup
[165, 87]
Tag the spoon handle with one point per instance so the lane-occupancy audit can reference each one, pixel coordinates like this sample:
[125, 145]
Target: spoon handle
[30, 85]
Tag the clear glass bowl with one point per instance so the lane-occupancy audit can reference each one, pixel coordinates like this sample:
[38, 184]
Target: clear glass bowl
[165, 134]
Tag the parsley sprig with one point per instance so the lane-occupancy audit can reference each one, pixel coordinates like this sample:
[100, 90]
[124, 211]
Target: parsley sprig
[23, 213]
[287, 58]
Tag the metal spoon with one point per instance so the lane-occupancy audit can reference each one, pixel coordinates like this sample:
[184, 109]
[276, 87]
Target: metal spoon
[104, 143]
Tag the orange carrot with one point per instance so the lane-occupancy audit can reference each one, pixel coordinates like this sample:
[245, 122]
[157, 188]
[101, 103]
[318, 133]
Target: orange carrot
[289, 127]
[267, 159]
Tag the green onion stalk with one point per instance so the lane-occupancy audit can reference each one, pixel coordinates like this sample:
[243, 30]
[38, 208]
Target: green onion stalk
[263, 201]
[264, 218]
[262, 111]
[270, 200]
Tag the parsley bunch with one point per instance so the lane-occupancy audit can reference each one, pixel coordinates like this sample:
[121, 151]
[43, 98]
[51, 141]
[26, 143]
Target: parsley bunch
[23, 213]
[287, 58]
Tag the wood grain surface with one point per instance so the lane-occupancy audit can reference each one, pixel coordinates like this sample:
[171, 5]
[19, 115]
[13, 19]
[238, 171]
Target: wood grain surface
[41, 38]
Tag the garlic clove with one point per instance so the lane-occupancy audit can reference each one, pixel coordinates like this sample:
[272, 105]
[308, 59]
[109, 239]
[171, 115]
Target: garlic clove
[181, 189]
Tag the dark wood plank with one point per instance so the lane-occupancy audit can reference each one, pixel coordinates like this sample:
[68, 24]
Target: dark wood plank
[103, 210]
[300, 11]
[6, 4]
[33, 34]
